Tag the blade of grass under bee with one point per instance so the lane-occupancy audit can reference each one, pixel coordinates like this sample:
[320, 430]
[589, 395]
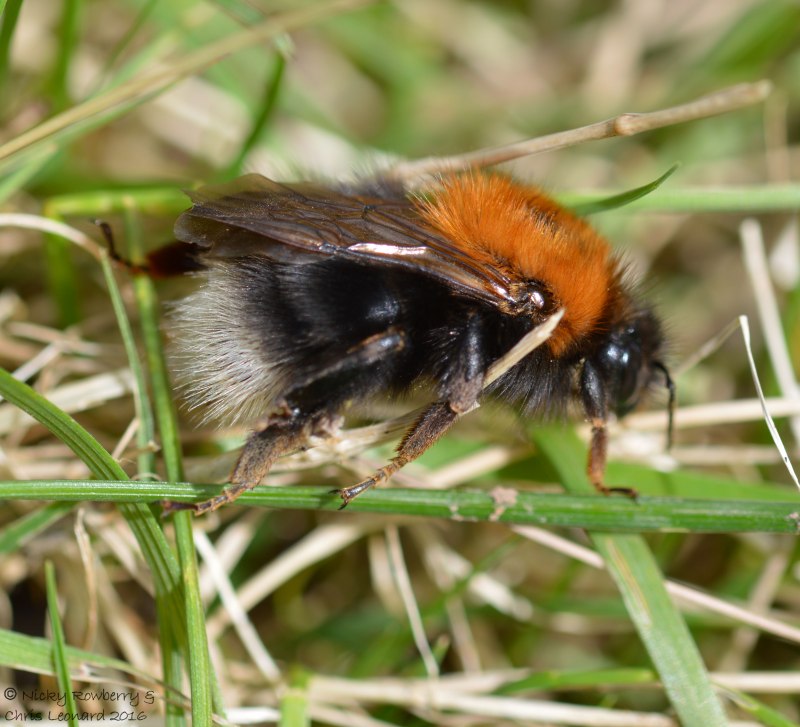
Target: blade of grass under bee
[500, 504]
[59, 645]
[635, 571]
[206, 695]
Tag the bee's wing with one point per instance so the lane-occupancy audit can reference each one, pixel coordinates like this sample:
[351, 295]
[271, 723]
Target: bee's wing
[299, 222]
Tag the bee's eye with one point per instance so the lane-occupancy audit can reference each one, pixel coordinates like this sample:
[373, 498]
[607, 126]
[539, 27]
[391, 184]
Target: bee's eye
[622, 364]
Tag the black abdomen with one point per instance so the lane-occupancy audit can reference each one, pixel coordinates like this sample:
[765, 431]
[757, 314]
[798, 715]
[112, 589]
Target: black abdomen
[329, 332]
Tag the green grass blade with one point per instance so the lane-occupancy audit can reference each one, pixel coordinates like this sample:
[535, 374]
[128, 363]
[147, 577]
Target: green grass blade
[145, 432]
[68, 36]
[62, 426]
[737, 200]
[763, 32]
[142, 522]
[8, 23]
[59, 645]
[170, 641]
[170, 634]
[148, 305]
[641, 584]
[25, 528]
[262, 118]
[504, 504]
[203, 681]
[765, 714]
[661, 628]
[166, 201]
[34, 654]
[623, 198]
[126, 41]
[11, 183]
[294, 702]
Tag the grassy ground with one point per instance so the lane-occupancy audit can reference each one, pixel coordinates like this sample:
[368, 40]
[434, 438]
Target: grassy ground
[489, 586]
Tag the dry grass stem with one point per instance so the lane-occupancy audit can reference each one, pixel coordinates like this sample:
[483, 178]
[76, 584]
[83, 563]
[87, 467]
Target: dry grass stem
[766, 301]
[687, 594]
[419, 172]
[238, 615]
[320, 543]
[773, 430]
[403, 581]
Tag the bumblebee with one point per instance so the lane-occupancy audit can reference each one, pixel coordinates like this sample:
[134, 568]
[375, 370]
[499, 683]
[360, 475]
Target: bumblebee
[313, 298]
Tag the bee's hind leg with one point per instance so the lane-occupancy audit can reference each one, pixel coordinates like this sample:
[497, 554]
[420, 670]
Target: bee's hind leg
[460, 386]
[430, 426]
[310, 407]
[274, 436]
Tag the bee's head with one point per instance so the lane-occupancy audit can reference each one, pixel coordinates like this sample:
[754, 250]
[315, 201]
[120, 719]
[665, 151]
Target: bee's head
[627, 360]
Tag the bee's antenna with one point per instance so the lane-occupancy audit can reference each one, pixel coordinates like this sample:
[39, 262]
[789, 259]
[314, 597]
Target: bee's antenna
[670, 384]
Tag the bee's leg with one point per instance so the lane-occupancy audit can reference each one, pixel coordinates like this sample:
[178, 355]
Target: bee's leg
[460, 385]
[431, 425]
[275, 435]
[309, 407]
[595, 404]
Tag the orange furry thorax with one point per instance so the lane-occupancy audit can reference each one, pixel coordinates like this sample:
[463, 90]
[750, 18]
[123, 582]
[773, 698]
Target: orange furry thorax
[529, 236]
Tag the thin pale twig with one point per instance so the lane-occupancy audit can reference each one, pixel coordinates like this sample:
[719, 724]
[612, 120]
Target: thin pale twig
[417, 173]
[319, 544]
[768, 420]
[718, 412]
[687, 594]
[403, 581]
[52, 227]
[709, 347]
[247, 632]
[768, 312]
